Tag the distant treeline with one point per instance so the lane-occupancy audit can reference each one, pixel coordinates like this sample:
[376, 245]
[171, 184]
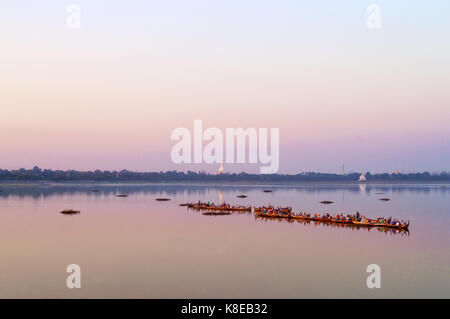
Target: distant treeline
[37, 174]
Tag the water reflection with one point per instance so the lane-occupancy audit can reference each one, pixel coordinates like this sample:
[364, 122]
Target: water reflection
[362, 188]
[384, 230]
[46, 190]
[138, 247]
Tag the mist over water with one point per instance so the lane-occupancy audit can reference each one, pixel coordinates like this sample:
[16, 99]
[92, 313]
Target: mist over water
[136, 247]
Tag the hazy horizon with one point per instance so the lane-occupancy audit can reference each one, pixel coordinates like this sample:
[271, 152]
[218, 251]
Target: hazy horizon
[108, 95]
[235, 172]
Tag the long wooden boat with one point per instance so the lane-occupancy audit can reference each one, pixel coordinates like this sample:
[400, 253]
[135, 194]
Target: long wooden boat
[302, 217]
[323, 219]
[293, 216]
[330, 220]
[341, 221]
[237, 209]
[279, 210]
[376, 224]
[362, 223]
[401, 226]
[271, 215]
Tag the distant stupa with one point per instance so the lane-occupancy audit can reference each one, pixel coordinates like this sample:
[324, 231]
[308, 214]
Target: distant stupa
[362, 178]
[220, 171]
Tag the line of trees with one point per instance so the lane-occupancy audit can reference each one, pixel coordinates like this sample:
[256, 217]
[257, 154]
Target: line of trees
[37, 174]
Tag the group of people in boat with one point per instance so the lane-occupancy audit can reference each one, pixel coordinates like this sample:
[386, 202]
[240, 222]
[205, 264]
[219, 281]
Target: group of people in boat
[343, 218]
[385, 221]
[274, 210]
[287, 212]
[380, 220]
[209, 204]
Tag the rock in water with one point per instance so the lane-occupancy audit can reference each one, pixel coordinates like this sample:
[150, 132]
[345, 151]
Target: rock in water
[69, 212]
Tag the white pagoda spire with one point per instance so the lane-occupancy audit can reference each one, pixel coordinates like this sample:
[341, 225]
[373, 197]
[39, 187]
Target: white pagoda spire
[362, 178]
[220, 171]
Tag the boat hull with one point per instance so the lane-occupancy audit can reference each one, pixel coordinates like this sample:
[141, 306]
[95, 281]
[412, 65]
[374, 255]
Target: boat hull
[368, 224]
[329, 220]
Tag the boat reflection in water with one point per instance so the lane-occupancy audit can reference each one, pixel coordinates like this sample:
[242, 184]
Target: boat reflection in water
[211, 212]
[216, 213]
[386, 230]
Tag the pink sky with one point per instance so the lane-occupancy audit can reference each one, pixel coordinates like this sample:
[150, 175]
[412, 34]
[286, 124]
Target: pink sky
[108, 96]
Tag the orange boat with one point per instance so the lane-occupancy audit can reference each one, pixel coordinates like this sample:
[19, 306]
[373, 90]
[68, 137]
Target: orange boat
[370, 223]
[272, 215]
[282, 211]
[367, 223]
[342, 221]
[397, 226]
[302, 217]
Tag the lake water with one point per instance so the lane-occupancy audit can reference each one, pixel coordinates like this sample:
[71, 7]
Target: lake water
[136, 247]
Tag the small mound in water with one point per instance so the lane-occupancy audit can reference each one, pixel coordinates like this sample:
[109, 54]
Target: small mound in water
[242, 196]
[121, 195]
[267, 191]
[379, 193]
[183, 205]
[162, 199]
[385, 199]
[326, 202]
[216, 213]
[70, 212]
[95, 190]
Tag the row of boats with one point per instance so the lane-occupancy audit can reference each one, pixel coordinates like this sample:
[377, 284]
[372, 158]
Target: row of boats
[287, 213]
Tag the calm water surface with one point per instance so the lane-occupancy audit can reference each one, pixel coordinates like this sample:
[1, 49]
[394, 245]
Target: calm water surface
[136, 247]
